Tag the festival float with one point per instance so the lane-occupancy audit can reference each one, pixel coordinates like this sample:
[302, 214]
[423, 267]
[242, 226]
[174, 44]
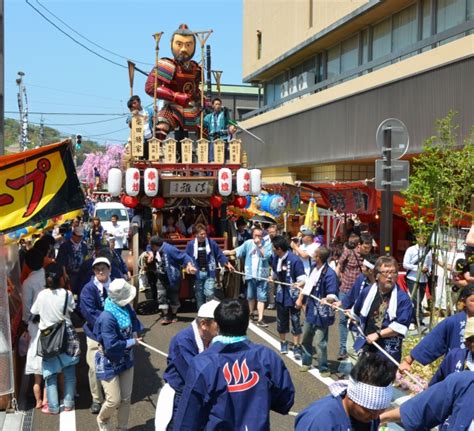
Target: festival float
[175, 161]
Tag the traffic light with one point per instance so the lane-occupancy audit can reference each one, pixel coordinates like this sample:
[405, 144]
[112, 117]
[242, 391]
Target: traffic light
[78, 141]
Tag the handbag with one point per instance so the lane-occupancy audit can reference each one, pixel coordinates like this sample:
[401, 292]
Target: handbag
[53, 340]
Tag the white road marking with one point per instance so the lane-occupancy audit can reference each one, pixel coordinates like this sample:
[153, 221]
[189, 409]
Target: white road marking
[67, 420]
[276, 344]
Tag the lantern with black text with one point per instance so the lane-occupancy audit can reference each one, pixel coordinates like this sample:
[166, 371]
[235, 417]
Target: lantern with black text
[132, 181]
[150, 180]
[255, 182]
[114, 182]
[243, 182]
[225, 181]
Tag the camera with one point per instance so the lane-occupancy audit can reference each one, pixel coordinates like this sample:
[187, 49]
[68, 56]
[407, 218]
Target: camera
[295, 239]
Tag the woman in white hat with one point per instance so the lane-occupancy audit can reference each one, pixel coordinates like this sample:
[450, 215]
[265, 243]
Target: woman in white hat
[116, 330]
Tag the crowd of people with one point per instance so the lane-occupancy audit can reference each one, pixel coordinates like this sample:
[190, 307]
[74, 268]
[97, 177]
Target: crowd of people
[216, 377]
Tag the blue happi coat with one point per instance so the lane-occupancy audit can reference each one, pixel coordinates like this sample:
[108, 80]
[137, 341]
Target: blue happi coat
[215, 253]
[234, 387]
[322, 315]
[327, 414]
[446, 335]
[183, 348]
[448, 403]
[399, 324]
[454, 362]
[115, 357]
[292, 270]
[173, 260]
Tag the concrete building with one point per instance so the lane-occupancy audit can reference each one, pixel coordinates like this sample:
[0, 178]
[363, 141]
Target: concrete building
[238, 99]
[332, 70]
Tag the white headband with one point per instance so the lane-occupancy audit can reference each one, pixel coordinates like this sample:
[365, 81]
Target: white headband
[368, 396]
[368, 264]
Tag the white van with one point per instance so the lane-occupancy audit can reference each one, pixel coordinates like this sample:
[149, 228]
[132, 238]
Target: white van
[105, 211]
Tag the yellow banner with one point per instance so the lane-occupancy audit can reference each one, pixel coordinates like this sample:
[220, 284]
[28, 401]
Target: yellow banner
[37, 185]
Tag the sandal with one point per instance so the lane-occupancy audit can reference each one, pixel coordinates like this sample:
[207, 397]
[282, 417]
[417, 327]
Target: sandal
[45, 410]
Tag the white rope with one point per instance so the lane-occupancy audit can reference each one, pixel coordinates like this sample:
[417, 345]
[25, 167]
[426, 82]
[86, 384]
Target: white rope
[359, 329]
[153, 349]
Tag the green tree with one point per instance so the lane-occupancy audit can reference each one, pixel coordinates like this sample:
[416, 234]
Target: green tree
[441, 185]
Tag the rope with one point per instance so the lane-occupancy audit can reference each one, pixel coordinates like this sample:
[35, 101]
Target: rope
[351, 317]
[153, 349]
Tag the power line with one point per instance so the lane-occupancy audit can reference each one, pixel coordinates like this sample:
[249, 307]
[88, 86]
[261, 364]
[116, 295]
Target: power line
[69, 92]
[79, 124]
[70, 104]
[75, 40]
[88, 40]
[121, 114]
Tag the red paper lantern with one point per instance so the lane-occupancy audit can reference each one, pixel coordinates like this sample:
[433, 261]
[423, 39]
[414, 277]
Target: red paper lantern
[240, 201]
[158, 202]
[216, 201]
[130, 201]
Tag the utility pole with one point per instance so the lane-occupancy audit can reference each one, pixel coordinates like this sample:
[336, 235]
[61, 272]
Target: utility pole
[23, 108]
[41, 133]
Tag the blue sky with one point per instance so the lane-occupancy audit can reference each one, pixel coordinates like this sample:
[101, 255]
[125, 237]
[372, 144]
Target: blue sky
[61, 76]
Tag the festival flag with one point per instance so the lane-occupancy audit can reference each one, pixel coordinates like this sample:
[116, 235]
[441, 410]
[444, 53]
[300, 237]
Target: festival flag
[37, 185]
[312, 215]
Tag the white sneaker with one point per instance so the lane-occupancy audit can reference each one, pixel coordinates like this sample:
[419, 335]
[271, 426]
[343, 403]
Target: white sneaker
[412, 327]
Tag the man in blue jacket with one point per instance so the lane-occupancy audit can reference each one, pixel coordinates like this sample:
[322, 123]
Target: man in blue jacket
[322, 283]
[92, 300]
[184, 346]
[448, 403]
[235, 383]
[458, 359]
[287, 268]
[169, 261]
[205, 253]
[354, 404]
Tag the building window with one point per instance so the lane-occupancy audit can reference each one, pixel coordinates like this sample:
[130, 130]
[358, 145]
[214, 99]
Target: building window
[365, 46]
[470, 9]
[334, 62]
[350, 54]
[405, 28]
[426, 19]
[449, 14]
[259, 44]
[382, 40]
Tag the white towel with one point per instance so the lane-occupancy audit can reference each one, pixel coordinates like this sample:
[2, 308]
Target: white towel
[280, 262]
[312, 280]
[208, 248]
[392, 304]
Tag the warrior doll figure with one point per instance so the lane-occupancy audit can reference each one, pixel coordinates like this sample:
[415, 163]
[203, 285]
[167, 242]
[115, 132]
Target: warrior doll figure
[178, 84]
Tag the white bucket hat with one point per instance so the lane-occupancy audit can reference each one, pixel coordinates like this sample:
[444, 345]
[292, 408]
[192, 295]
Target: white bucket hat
[121, 292]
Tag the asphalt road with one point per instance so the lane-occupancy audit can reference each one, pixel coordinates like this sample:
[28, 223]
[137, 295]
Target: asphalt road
[149, 368]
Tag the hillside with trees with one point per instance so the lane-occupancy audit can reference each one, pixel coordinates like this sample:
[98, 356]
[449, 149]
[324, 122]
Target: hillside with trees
[12, 132]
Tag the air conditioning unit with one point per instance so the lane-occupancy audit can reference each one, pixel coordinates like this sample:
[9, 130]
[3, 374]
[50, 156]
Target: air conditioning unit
[284, 90]
[305, 80]
[294, 85]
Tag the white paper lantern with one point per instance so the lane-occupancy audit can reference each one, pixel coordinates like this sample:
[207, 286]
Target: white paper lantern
[225, 181]
[255, 182]
[150, 180]
[132, 181]
[243, 182]
[114, 182]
